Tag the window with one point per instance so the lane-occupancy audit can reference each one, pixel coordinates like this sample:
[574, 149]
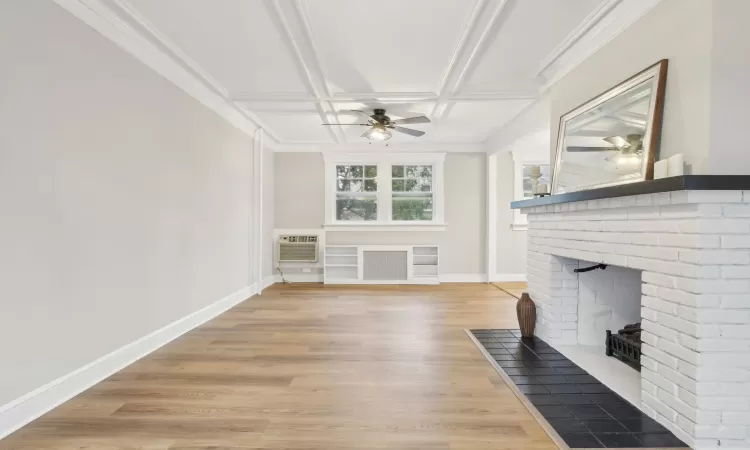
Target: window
[356, 192]
[411, 192]
[524, 182]
[383, 190]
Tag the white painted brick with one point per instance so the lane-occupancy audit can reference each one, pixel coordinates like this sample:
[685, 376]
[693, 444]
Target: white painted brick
[722, 286]
[689, 298]
[735, 241]
[735, 331]
[642, 212]
[720, 432]
[676, 378]
[735, 301]
[739, 360]
[660, 331]
[736, 210]
[724, 389]
[658, 304]
[715, 316]
[659, 356]
[708, 417]
[714, 196]
[723, 404]
[659, 407]
[673, 402]
[649, 338]
[650, 364]
[715, 256]
[649, 290]
[727, 443]
[649, 314]
[735, 272]
[735, 418]
[722, 374]
[659, 381]
[678, 351]
[659, 279]
[661, 198]
[660, 253]
[689, 240]
[718, 226]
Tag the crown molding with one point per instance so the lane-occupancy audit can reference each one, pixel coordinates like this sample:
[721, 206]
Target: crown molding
[153, 51]
[608, 21]
[472, 147]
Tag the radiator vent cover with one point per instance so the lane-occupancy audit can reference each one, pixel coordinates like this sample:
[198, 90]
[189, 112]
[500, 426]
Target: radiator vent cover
[384, 265]
[297, 249]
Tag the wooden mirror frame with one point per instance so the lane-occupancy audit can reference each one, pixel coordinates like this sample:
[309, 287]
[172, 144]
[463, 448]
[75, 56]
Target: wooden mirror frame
[651, 139]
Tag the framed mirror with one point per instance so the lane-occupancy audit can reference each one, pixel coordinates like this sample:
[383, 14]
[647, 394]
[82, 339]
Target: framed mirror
[613, 138]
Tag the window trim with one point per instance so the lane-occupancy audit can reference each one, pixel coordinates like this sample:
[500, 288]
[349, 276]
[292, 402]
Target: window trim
[520, 221]
[384, 161]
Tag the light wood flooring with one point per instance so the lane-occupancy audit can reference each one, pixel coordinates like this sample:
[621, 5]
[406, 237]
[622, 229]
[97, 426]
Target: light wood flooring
[311, 367]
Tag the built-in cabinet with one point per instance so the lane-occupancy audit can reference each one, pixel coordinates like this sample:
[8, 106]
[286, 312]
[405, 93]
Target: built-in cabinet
[381, 264]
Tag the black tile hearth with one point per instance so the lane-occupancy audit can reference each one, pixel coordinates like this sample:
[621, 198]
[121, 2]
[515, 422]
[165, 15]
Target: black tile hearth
[583, 411]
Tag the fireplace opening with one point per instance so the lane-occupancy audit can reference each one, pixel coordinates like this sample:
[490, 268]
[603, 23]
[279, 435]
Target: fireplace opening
[625, 345]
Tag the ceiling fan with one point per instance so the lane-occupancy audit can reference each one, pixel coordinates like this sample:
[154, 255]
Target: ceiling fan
[380, 125]
[632, 143]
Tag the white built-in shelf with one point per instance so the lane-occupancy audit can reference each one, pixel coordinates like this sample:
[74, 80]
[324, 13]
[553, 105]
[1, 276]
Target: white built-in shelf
[344, 264]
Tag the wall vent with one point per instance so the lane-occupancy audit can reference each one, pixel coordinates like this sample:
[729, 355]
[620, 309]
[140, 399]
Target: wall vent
[384, 265]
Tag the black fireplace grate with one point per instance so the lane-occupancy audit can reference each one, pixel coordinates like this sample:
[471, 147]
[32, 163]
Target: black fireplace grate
[626, 350]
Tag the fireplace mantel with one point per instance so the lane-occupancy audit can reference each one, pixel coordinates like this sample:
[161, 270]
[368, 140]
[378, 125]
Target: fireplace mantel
[671, 184]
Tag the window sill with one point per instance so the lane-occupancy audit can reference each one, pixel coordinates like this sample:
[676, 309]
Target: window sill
[385, 227]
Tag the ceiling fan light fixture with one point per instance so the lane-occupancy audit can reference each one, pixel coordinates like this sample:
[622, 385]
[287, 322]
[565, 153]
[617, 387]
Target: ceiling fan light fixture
[378, 134]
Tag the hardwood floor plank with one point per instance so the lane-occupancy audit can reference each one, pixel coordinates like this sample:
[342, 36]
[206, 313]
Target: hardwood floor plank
[307, 367]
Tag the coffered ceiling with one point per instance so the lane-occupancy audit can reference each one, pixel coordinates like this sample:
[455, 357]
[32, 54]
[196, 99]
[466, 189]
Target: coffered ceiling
[290, 65]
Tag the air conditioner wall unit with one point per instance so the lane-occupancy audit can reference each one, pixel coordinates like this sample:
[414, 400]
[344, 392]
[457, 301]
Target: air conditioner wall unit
[297, 249]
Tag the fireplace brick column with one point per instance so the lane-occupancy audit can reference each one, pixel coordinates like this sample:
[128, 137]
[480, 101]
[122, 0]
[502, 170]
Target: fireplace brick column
[693, 248]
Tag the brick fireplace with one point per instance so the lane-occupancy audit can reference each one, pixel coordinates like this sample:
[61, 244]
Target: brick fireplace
[684, 256]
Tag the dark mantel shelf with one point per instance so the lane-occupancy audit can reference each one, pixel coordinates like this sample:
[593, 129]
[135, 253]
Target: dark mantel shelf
[681, 183]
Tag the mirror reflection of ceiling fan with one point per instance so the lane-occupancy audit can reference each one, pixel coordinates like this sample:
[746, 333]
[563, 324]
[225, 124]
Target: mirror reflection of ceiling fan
[380, 125]
[632, 143]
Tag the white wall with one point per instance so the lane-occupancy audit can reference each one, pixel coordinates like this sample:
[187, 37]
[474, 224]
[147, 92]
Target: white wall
[678, 30]
[300, 201]
[125, 202]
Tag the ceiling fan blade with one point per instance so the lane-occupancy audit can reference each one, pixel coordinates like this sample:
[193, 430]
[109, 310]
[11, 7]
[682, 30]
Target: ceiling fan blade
[409, 131]
[363, 124]
[362, 114]
[420, 119]
[592, 149]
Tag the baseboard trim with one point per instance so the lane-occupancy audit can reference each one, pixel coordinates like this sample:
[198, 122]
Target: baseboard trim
[301, 278]
[268, 281]
[463, 278]
[502, 277]
[29, 407]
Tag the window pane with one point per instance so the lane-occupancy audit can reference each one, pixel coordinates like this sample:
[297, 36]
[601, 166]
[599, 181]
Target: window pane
[371, 185]
[397, 185]
[356, 208]
[397, 171]
[412, 208]
[371, 171]
[349, 171]
[349, 185]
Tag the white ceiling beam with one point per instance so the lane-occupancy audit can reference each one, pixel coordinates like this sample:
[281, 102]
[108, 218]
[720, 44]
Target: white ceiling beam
[299, 41]
[388, 97]
[484, 22]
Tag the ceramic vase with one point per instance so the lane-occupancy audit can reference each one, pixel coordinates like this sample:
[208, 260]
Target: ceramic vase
[526, 311]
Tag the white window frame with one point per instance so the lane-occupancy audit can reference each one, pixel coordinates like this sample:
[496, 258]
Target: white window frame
[520, 221]
[384, 161]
